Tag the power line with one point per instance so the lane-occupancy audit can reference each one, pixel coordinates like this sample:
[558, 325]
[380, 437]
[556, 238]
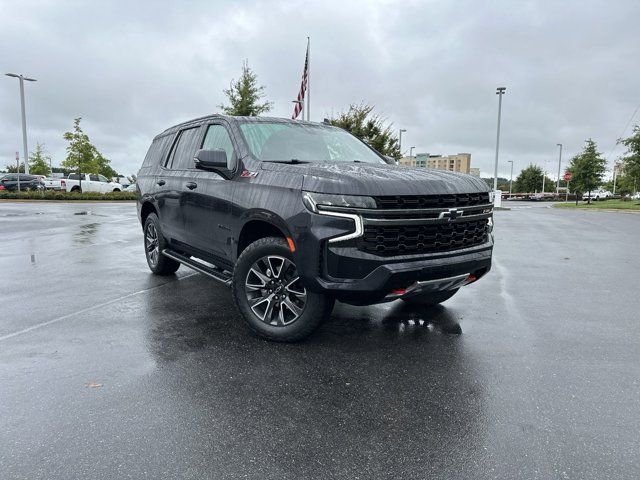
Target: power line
[623, 132]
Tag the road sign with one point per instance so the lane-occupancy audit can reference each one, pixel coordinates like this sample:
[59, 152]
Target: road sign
[567, 176]
[17, 157]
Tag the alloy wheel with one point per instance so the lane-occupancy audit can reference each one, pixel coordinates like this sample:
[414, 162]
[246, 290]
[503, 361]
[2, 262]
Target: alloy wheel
[151, 244]
[274, 291]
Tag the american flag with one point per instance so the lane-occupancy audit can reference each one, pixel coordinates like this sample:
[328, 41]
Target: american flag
[303, 88]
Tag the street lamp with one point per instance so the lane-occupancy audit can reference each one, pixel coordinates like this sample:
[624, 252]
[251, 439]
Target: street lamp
[559, 163]
[400, 139]
[24, 119]
[510, 178]
[499, 91]
[411, 151]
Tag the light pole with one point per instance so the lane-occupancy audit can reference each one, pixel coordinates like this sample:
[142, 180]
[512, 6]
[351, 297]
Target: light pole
[511, 178]
[499, 91]
[411, 151]
[24, 118]
[544, 175]
[400, 139]
[559, 164]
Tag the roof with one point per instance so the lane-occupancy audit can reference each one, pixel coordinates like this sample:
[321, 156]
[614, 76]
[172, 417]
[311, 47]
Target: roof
[234, 119]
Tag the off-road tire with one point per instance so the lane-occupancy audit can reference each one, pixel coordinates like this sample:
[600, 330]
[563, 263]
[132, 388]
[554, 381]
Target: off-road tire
[430, 299]
[316, 307]
[161, 265]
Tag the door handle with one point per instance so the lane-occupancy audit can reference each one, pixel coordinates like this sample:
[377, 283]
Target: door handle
[161, 182]
[192, 185]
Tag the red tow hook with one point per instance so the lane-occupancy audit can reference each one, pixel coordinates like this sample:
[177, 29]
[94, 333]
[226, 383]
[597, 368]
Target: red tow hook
[398, 291]
[471, 279]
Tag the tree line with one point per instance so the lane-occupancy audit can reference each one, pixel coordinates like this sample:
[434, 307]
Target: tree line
[588, 169]
[82, 157]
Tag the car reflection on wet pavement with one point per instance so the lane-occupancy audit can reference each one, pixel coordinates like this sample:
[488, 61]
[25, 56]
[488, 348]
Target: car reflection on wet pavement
[109, 372]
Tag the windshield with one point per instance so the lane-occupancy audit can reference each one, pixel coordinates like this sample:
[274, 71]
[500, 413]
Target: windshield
[280, 141]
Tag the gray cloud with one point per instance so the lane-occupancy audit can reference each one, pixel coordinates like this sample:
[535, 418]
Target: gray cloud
[131, 69]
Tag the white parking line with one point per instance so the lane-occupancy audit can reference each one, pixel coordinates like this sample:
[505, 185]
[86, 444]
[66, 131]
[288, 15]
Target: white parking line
[64, 317]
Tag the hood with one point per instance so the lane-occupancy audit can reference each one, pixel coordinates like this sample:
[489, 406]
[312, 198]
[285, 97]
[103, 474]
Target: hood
[379, 179]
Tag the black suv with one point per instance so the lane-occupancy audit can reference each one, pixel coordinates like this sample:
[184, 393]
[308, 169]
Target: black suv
[293, 215]
[9, 182]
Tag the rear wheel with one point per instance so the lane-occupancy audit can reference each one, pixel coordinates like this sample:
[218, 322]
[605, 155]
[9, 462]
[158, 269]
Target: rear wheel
[270, 295]
[430, 299]
[76, 190]
[154, 244]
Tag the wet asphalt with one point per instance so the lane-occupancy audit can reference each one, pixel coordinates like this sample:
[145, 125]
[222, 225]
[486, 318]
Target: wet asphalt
[109, 372]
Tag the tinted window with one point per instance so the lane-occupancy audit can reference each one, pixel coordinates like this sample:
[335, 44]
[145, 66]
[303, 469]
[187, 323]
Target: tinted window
[218, 138]
[26, 178]
[102, 178]
[74, 176]
[184, 150]
[283, 141]
[94, 178]
[157, 152]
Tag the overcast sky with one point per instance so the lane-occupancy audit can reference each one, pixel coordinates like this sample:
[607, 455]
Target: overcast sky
[131, 69]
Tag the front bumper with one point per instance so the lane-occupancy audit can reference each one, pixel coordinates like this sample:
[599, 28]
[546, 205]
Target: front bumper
[392, 279]
[352, 276]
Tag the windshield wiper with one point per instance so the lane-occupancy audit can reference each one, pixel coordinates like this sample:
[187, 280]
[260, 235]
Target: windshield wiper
[293, 161]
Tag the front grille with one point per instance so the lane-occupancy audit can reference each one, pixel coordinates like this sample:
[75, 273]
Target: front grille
[390, 240]
[432, 201]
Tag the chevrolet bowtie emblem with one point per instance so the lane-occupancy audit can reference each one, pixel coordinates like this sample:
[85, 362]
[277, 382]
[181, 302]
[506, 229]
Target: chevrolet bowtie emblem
[451, 214]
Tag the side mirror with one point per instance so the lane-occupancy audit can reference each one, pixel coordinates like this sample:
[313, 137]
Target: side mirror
[211, 159]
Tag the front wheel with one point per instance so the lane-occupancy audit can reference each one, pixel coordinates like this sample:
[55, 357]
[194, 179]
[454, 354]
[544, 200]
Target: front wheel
[430, 299]
[270, 295]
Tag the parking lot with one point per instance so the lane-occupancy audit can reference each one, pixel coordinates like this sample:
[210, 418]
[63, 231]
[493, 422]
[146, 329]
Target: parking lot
[109, 372]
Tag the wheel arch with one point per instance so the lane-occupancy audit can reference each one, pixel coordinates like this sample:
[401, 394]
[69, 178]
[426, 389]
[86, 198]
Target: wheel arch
[145, 210]
[257, 225]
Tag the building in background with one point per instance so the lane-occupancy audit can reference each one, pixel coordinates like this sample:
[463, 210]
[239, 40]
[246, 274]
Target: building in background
[475, 172]
[454, 163]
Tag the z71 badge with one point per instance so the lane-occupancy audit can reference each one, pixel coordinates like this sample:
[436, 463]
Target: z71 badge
[248, 174]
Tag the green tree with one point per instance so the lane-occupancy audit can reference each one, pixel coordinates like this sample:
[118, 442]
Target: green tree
[529, 180]
[587, 169]
[245, 94]
[82, 155]
[360, 121]
[14, 169]
[39, 161]
[631, 158]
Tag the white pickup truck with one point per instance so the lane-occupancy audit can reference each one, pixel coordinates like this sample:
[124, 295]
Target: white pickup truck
[596, 195]
[91, 182]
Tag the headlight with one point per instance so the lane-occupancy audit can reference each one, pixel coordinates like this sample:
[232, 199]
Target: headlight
[312, 200]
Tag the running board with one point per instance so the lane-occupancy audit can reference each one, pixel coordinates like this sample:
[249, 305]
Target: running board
[212, 272]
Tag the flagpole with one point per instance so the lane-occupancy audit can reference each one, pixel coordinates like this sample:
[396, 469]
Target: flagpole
[308, 99]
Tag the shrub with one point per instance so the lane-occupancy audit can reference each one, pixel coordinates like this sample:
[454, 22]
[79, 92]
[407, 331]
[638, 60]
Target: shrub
[66, 196]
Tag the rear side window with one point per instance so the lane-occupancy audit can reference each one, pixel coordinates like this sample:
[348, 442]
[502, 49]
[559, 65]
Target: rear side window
[217, 137]
[74, 176]
[184, 149]
[157, 151]
[94, 178]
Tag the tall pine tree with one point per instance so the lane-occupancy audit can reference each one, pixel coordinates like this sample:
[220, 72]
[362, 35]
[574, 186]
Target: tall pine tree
[245, 95]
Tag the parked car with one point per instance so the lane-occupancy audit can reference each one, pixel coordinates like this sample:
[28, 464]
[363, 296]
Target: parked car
[597, 195]
[542, 196]
[53, 184]
[129, 188]
[9, 182]
[294, 215]
[91, 182]
[636, 196]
